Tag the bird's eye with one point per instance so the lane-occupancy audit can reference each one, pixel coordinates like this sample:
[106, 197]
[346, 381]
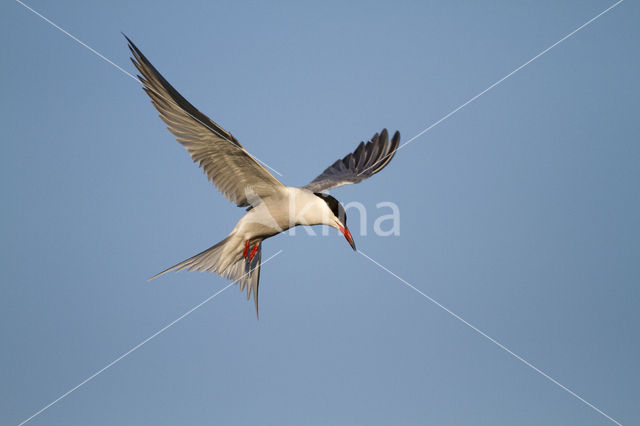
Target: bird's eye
[342, 215]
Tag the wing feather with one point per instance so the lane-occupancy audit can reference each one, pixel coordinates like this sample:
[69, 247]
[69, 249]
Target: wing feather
[367, 160]
[227, 164]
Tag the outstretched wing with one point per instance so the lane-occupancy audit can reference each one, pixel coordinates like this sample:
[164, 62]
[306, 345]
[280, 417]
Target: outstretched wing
[367, 160]
[226, 163]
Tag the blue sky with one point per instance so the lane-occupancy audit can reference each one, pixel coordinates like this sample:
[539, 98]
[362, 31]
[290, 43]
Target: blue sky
[520, 213]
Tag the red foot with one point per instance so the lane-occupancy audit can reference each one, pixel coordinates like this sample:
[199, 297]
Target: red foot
[253, 251]
[246, 249]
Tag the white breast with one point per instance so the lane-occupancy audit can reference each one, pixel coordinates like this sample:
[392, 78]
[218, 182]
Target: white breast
[302, 208]
[293, 206]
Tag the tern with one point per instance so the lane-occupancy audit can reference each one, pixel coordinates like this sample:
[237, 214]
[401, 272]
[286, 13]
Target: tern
[271, 206]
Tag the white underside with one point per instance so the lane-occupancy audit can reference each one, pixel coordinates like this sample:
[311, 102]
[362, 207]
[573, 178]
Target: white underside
[233, 259]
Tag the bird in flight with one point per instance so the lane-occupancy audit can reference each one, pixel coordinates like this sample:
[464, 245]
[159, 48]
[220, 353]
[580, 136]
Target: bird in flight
[271, 206]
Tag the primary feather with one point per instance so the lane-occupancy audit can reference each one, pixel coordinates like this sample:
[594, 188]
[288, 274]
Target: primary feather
[367, 160]
[226, 163]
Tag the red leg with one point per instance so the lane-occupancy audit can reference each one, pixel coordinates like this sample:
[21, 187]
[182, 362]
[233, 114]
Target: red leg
[246, 249]
[254, 251]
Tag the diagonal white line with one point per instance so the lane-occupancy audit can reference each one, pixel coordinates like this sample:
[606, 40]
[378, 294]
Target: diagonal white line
[101, 56]
[136, 347]
[491, 339]
[79, 41]
[497, 82]
[363, 254]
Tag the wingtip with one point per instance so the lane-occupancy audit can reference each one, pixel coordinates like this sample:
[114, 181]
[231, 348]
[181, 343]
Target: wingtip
[395, 141]
[128, 39]
[132, 47]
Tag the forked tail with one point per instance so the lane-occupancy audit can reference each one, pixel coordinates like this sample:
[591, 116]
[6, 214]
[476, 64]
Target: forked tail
[229, 259]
